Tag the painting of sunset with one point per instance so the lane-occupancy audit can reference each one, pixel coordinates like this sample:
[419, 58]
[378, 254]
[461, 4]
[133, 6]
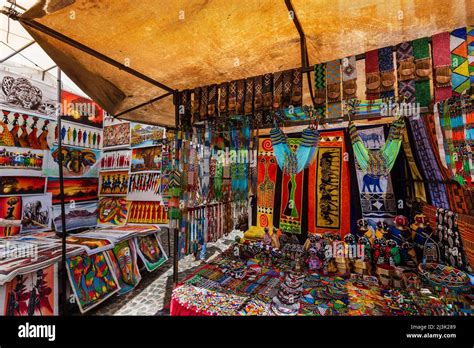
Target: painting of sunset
[79, 190]
[21, 185]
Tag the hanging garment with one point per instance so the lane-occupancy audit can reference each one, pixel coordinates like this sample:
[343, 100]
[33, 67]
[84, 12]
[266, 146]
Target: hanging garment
[421, 53]
[406, 71]
[441, 66]
[459, 61]
[381, 161]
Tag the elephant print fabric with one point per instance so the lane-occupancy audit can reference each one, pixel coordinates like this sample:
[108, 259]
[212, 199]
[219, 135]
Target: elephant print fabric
[78, 162]
[92, 279]
[376, 192]
[123, 261]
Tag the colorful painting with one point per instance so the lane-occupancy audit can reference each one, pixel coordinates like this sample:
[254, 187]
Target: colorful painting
[291, 212]
[27, 95]
[329, 186]
[19, 161]
[144, 187]
[146, 159]
[36, 213]
[116, 133]
[91, 245]
[150, 251]
[10, 216]
[31, 294]
[267, 173]
[26, 131]
[113, 183]
[112, 211]
[78, 216]
[123, 262]
[79, 135]
[22, 185]
[75, 190]
[81, 110]
[148, 213]
[91, 279]
[376, 193]
[145, 135]
[77, 162]
[115, 160]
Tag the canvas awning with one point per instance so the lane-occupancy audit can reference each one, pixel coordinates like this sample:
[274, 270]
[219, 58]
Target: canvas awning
[187, 43]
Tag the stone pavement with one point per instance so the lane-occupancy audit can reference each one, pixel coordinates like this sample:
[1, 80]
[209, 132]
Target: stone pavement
[153, 294]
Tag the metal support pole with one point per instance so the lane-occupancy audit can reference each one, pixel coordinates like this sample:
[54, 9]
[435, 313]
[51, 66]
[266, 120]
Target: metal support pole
[63, 209]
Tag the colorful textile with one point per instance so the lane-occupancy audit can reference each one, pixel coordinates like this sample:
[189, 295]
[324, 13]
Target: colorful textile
[470, 52]
[429, 165]
[376, 192]
[418, 186]
[387, 77]
[406, 71]
[421, 53]
[349, 78]
[459, 61]
[441, 66]
[372, 75]
[320, 89]
[267, 173]
[333, 88]
[123, 262]
[92, 280]
[329, 187]
[291, 211]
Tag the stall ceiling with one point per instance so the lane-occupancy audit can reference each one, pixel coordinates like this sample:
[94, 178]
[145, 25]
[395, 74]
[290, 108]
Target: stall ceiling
[189, 43]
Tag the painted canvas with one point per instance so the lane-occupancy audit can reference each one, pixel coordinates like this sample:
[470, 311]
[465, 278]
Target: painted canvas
[77, 162]
[78, 216]
[116, 133]
[146, 159]
[27, 95]
[36, 216]
[148, 213]
[123, 261]
[10, 216]
[115, 160]
[145, 135]
[75, 189]
[113, 183]
[144, 187]
[91, 245]
[92, 280]
[112, 211]
[150, 251]
[31, 294]
[26, 131]
[22, 185]
[79, 135]
[81, 110]
[20, 161]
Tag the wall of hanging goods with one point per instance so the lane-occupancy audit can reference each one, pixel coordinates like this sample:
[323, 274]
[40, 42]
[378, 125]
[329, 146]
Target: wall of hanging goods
[114, 208]
[381, 159]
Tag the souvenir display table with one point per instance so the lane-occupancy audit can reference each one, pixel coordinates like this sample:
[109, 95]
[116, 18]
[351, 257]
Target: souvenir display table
[235, 286]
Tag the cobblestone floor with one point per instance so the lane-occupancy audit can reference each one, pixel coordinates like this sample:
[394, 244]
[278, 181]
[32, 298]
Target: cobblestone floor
[153, 294]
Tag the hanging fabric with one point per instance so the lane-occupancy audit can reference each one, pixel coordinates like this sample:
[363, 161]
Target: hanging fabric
[223, 96]
[320, 89]
[378, 162]
[418, 186]
[387, 76]
[212, 102]
[372, 75]
[349, 78]
[441, 66]
[459, 61]
[421, 52]
[204, 103]
[333, 88]
[406, 71]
